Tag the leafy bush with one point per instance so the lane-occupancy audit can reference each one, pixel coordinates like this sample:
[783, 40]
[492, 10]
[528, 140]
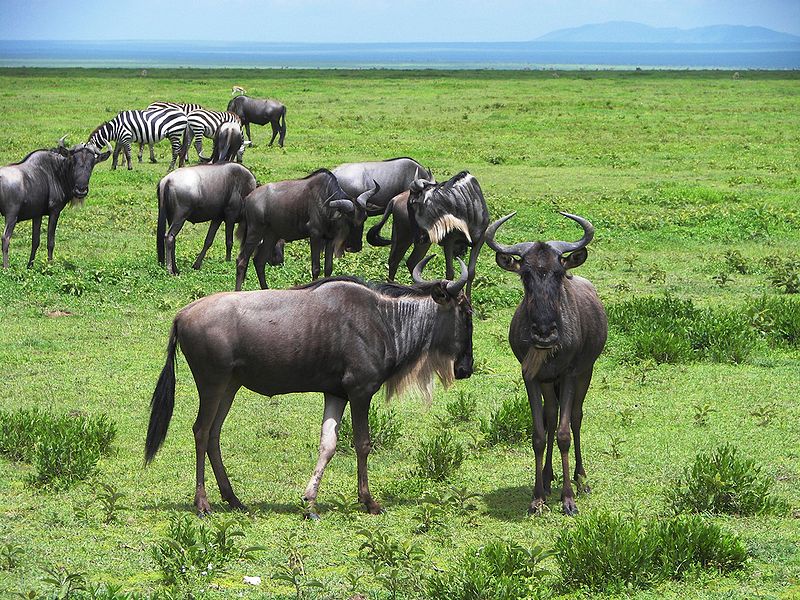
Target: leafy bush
[777, 318]
[626, 551]
[384, 429]
[194, 550]
[670, 330]
[439, 457]
[723, 483]
[500, 570]
[510, 423]
[688, 541]
[64, 448]
[637, 553]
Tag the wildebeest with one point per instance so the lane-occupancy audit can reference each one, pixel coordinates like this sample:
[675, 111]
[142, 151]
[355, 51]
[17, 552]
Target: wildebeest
[228, 143]
[42, 184]
[337, 336]
[452, 214]
[557, 333]
[260, 112]
[314, 207]
[197, 194]
[394, 175]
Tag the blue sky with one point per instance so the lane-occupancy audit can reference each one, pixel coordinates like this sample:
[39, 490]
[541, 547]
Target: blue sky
[367, 20]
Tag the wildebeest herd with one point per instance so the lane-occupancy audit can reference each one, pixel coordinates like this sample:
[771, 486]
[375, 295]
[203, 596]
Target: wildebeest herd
[339, 335]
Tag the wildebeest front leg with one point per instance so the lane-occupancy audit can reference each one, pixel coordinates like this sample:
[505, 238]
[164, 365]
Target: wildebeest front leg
[328, 258]
[550, 424]
[212, 231]
[332, 417]
[359, 412]
[52, 223]
[36, 233]
[566, 397]
[539, 441]
[316, 249]
[11, 221]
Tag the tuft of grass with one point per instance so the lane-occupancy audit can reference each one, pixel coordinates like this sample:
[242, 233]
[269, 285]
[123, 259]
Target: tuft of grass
[384, 429]
[723, 482]
[63, 448]
[439, 457]
[500, 569]
[510, 423]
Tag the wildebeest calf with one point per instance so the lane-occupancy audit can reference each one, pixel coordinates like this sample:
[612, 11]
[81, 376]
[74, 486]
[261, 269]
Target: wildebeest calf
[557, 333]
[336, 336]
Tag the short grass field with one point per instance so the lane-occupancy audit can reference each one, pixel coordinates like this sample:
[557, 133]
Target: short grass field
[691, 180]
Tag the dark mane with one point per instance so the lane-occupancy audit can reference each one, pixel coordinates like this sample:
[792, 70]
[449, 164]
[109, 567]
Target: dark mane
[394, 290]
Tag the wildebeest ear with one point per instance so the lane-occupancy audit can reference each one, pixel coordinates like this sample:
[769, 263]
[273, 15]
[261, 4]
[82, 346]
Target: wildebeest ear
[439, 293]
[98, 158]
[575, 259]
[507, 262]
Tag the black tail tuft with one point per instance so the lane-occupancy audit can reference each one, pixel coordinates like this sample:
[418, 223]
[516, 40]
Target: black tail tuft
[163, 402]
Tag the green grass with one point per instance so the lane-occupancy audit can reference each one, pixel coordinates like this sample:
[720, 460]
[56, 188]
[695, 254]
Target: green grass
[677, 171]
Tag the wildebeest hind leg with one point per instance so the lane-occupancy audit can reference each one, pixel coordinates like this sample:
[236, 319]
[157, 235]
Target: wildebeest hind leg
[550, 424]
[212, 391]
[11, 221]
[332, 417]
[212, 231]
[359, 410]
[36, 233]
[214, 452]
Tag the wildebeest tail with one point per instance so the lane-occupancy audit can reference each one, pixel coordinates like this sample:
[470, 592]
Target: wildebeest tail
[374, 234]
[161, 227]
[163, 402]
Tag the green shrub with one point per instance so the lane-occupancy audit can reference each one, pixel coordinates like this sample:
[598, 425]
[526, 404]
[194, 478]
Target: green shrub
[439, 457]
[777, 318]
[605, 552]
[195, 551]
[510, 423]
[722, 482]
[670, 330]
[384, 429]
[500, 570]
[688, 541]
[64, 448]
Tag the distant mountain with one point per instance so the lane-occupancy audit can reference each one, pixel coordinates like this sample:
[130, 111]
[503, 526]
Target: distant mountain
[628, 32]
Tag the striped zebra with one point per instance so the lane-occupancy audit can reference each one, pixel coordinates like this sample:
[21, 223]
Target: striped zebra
[203, 123]
[140, 126]
[183, 107]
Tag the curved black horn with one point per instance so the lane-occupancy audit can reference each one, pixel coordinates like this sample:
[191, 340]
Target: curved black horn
[516, 249]
[342, 204]
[416, 274]
[588, 234]
[363, 197]
[455, 286]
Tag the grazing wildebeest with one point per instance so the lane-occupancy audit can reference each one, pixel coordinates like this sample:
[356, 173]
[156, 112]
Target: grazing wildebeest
[42, 184]
[228, 143]
[394, 175]
[140, 126]
[314, 207]
[184, 108]
[337, 336]
[260, 112]
[197, 194]
[452, 214]
[557, 333]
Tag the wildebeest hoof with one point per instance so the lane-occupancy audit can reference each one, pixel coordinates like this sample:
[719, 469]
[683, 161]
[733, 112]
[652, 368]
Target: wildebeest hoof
[570, 508]
[537, 508]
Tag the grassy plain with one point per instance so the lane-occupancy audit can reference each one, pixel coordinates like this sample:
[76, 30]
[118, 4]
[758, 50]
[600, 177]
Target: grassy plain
[673, 168]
